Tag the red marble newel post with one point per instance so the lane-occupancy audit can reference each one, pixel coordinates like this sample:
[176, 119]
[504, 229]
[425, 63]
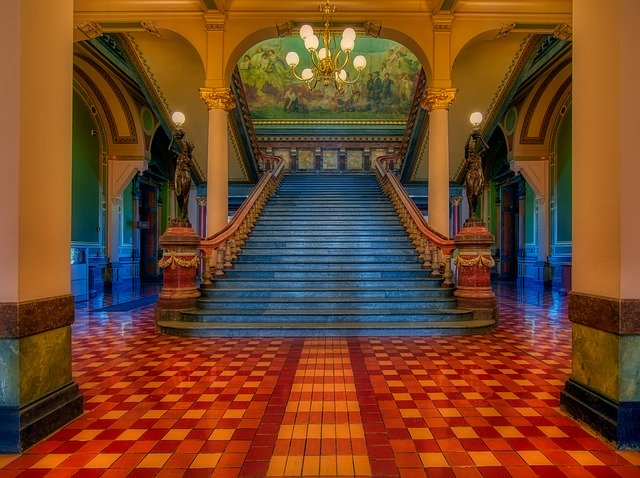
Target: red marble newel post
[474, 264]
[180, 264]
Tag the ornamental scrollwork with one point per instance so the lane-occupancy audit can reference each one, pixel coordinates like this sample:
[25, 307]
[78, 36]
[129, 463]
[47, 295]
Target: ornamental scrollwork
[473, 258]
[438, 98]
[171, 258]
[218, 98]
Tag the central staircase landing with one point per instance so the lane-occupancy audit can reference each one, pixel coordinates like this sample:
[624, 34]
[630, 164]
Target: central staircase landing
[328, 256]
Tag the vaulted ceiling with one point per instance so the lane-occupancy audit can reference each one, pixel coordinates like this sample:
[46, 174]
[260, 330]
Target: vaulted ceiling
[169, 40]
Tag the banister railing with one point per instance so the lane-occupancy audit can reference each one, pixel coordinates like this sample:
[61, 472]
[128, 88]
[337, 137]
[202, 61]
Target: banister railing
[435, 249]
[223, 246]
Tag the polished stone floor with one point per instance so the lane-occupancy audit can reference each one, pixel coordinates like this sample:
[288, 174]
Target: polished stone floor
[473, 406]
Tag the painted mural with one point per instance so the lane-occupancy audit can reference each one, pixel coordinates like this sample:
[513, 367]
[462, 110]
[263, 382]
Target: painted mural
[384, 91]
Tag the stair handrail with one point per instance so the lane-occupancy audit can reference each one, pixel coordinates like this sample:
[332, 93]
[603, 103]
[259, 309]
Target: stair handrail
[228, 241]
[429, 243]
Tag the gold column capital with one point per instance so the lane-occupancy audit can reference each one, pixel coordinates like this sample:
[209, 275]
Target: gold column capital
[438, 98]
[218, 98]
[455, 200]
[202, 200]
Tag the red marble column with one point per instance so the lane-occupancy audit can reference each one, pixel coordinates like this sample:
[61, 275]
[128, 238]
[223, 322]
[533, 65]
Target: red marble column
[455, 213]
[202, 215]
[180, 264]
[474, 263]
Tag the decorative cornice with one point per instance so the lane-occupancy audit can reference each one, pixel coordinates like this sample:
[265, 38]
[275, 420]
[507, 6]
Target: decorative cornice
[90, 29]
[218, 98]
[150, 27]
[438, 98]
[505, 29]
[284, 28]
[563, 32]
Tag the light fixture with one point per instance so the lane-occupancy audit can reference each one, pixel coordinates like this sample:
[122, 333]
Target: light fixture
[328, 67]
[475, 119]
[178, 118]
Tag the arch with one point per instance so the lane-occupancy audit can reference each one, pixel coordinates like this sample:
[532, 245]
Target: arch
[270, 32]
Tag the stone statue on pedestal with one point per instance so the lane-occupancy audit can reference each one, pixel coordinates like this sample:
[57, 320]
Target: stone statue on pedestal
[182, 149]
[474, 150]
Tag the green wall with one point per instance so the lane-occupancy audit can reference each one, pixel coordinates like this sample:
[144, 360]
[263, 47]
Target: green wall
[563, 184]
[127, 214]
[529, 215]
[85, 176]
[492, 210]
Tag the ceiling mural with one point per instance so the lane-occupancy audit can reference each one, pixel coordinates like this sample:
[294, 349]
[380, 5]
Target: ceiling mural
[383, 93]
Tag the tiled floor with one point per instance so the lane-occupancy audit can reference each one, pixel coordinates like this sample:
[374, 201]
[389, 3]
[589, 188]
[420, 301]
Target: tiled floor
[479, 406]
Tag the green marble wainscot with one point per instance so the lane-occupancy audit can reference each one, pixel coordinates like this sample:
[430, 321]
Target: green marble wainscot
[37, 393]
[31, 367]
[607, 363]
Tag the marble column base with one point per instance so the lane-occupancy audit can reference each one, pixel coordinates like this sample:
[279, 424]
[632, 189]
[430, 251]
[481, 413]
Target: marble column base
[22, 427]
[618, 422]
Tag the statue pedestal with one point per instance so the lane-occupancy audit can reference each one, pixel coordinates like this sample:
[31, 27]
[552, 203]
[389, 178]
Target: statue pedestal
[474, 263]
[180, 264]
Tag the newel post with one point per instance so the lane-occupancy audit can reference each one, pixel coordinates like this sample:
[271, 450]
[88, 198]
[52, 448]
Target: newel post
[180, 264]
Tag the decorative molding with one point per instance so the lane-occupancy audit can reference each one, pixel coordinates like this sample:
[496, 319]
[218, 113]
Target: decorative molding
[91, 30]
[371, 28]
[442, 27]
[218, 98]
[442, 23]
[202, 201]
[455, 200]
[524, 135]
[285, 28]
[215, 22]
[505, 29]
[536, 172]
[438, 98]
[150, 27]
[563, 32]
[113, 128]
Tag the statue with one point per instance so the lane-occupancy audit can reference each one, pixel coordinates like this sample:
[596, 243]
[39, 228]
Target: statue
[474, 149]
[182, 149]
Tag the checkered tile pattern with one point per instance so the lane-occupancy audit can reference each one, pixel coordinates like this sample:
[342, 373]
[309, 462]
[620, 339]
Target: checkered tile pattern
[478, 406]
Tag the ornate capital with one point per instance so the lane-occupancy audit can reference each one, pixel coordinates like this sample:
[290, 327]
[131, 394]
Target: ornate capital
[202, 200]
[438, 98]
[218, 98]
[455, 200]
[90, 29]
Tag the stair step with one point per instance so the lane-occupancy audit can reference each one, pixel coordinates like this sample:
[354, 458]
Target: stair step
[311, 291]
[314, 329]
[287, 259]
[342, 268]
[309, 303]
[270, 283]
[383, 314]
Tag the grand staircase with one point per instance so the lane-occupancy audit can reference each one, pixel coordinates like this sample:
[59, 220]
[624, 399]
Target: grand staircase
[328, 256]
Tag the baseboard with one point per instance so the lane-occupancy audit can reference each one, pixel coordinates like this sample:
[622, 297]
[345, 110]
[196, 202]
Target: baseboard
[22, 427]
[618, 422]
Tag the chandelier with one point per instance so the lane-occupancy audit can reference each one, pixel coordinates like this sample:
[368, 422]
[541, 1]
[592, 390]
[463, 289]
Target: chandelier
[328, 67]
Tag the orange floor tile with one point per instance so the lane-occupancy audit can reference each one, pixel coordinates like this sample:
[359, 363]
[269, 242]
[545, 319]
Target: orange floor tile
[476, 406]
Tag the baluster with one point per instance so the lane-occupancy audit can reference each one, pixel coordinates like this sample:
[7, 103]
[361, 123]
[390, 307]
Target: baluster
[427, 255]
[220, 261]
[422, 252]
[227, 255]
[435, 263]
[448, 273]
[206, 270]
[234, 248]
